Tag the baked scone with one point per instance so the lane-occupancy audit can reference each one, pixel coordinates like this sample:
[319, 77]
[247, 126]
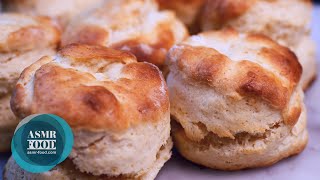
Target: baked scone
[236, 100]
[187, 11]
[131, 25]
[23, 40]
[118, 109]
[287, 22]
[62, 11]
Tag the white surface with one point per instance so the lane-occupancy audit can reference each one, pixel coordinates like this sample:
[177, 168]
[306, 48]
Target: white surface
[304, 166]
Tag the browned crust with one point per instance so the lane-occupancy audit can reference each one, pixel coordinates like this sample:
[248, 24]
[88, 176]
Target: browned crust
[139, 95]
[83, 52]
[255, 81]
[245, 78]
[291, 117]
[199, 62]
[282, 58]
[165, 40]
[45, 34]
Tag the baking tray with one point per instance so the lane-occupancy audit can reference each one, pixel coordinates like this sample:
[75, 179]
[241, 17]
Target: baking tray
[304, 166]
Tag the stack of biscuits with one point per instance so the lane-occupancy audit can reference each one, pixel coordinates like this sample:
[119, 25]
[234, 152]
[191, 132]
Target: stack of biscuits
[126, 76]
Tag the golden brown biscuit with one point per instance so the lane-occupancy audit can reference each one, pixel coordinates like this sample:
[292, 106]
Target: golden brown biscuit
[115, 105]
[287, 22]
[236, 100]
[23, 40]
[131, 25]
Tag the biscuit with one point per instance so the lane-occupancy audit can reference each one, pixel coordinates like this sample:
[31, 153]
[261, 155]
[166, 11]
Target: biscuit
[236, 100]
[118, 108]
[62, 11]
[287, 22]
[23, 40]
[131, 25]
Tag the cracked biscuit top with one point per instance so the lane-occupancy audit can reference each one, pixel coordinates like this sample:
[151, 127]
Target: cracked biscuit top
[92, 88]
[240, 66]
[136, 26]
